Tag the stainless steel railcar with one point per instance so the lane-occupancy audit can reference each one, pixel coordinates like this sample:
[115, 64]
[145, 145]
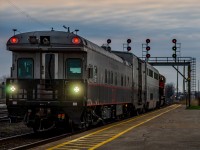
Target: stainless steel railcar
[59, 79]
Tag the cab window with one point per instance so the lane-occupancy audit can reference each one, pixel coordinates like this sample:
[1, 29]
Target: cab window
[74, 68]
[25, 68]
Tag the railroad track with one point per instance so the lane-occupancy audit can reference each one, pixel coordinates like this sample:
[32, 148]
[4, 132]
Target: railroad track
[3, 112]
[5, 119]
[5, 143]
[31, 140]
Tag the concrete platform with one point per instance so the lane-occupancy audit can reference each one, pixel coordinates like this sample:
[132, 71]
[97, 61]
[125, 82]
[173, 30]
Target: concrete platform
[176, 130]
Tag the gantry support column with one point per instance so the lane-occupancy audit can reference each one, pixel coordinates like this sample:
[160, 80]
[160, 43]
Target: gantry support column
[189, 83]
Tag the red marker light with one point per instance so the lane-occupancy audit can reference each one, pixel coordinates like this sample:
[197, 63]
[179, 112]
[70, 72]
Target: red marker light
[14, 40]
[76, 40]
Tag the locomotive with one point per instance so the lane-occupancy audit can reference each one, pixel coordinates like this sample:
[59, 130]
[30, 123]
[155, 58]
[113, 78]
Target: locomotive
[60, 79]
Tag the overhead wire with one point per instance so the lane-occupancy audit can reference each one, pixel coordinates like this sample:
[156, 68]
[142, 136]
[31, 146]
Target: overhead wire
[26, 14]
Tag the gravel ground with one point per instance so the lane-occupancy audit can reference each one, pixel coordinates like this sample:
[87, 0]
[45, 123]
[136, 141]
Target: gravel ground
[10, 129]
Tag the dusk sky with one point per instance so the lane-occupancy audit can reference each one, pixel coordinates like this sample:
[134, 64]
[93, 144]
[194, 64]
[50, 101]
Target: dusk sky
[158, 20]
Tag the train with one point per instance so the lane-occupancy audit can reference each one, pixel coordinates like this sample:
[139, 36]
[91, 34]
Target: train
[60, 79]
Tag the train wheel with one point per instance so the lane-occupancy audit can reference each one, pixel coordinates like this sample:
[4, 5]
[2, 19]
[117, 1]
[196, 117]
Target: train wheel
[36, 125]
[13, 120]
[86, 120]
[143, 110]
[71, 126]
[137, 112]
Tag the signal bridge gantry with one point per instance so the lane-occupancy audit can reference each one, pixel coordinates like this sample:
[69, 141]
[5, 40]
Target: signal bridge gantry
[178, 61]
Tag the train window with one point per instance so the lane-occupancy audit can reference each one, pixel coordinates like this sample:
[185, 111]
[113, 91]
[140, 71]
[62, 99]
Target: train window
[111, 80]
[115, 78]
[90, 72]
[128, 81]
[155, 76]
[106, 76]
[74, 68]
[150, 73]
[122, 80]
[25, 68]
[151, 96]
[125, 81]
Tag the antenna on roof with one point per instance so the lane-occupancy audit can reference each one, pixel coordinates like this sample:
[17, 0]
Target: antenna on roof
[68, 30]
[14, 30]
[76, 30]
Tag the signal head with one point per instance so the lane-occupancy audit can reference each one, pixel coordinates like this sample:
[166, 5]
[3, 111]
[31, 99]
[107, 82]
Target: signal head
[148, 55]
[128, 41]
[147, 41]
[174, 41]
[174, 48]
[148, 48]
[128, 48]
[174, 55]
[108, 41]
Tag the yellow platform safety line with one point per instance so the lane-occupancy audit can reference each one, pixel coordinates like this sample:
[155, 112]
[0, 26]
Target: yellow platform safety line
[121, 133]
[71, 141]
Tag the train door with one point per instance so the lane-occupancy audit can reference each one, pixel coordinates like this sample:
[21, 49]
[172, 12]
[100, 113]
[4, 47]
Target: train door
[139, 82]
[49, 69]
[49, 66]
[48, 74]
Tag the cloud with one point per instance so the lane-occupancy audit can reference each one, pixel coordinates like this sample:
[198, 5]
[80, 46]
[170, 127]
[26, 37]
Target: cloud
[147, 15]
[158, 20]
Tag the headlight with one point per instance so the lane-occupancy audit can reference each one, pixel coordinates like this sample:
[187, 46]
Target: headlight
[76, 89]
[12, 89]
